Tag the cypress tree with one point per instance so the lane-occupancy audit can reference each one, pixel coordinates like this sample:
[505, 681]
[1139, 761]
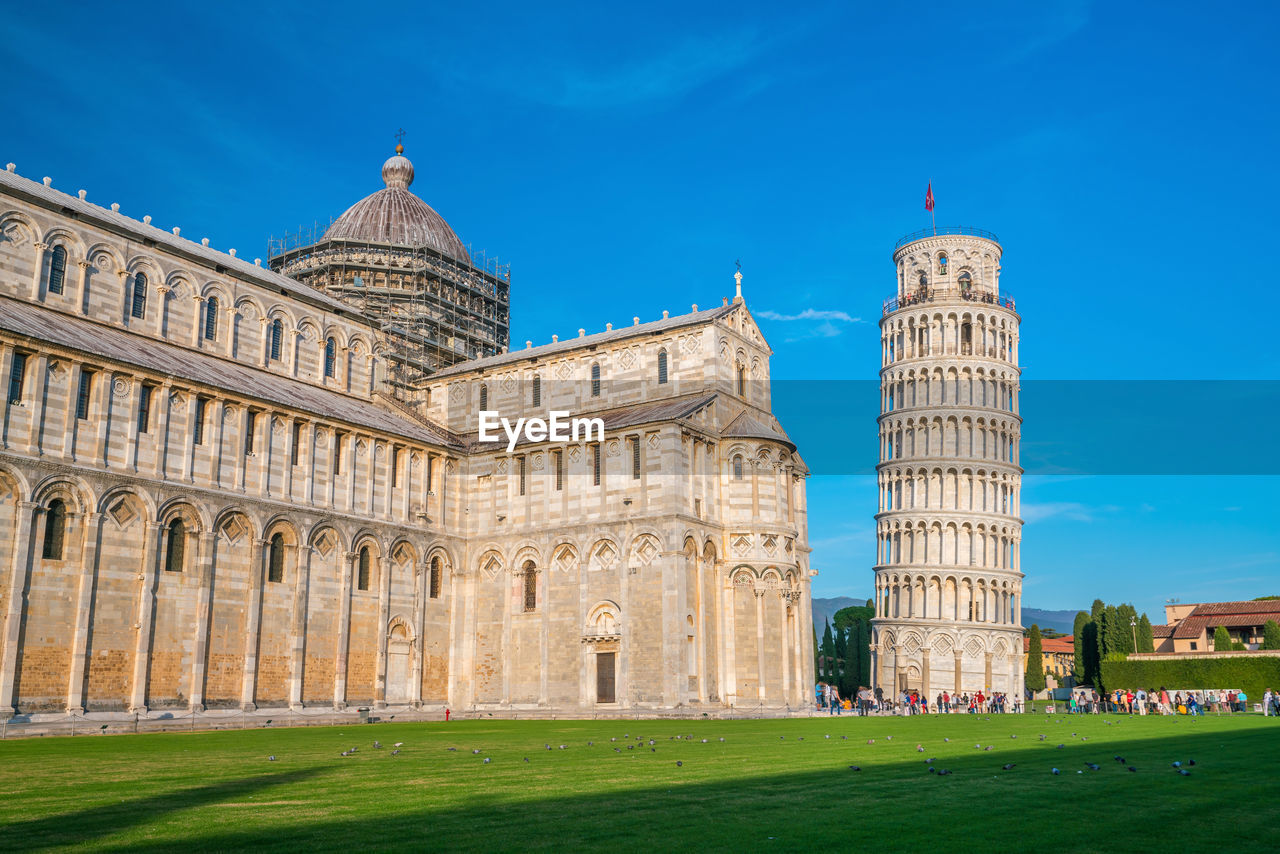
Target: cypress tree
[842, 659]
[1092, 655]
[1271, 635]
[828, 652]
[1113, 633]
[1146, 638]
[817, 654]
[1077, 637]
[864, 645]
[1035, 661]
[1221, 639]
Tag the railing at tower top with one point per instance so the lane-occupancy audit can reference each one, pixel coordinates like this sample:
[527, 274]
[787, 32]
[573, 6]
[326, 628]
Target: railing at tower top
[966, 230]
[921, 296]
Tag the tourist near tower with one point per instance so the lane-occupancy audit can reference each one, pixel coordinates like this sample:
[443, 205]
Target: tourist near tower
[948, 585]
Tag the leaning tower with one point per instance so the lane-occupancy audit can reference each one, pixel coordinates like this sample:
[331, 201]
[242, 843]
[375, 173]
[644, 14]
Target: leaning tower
[948, 591]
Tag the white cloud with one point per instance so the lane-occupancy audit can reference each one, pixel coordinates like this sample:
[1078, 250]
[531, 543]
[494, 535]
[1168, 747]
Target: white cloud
[810, 314]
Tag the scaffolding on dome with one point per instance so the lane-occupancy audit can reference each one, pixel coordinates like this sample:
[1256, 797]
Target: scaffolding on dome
[433, 310]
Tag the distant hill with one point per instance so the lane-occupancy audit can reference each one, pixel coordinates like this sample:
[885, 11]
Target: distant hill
[1059, 621]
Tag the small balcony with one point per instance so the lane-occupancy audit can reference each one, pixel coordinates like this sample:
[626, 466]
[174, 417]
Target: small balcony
[922, 296]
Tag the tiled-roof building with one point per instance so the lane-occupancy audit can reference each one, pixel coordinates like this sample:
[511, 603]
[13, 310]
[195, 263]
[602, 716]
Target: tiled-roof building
[1190, 627]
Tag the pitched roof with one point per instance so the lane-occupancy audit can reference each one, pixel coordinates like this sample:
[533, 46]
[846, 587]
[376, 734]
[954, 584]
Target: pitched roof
[1056, 646]
[128, 348]
[1162, 631]
[570, 344]
[117, 222]
[747, 426]
[1209, 615]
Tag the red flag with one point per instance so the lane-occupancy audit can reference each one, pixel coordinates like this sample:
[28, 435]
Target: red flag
[928, 198]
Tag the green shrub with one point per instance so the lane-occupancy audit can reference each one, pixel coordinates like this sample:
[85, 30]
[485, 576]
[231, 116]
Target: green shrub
[1253, 675]
[1221, 639]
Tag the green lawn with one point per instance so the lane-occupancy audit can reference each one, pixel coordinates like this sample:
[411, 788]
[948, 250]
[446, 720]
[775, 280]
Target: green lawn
[776, 784]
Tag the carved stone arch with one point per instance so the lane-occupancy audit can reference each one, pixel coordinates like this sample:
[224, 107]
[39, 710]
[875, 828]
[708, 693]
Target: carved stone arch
[74, 492]
[194, 514]
[214, 288]
[68, 239]
[404, 553]
[336, 332]
[250, 307]
[146, 264]
[942, 643]
[604, 619]
[564, 557]
[124, 506]
[743, 576]
[13, 485]
[282, 524]
[604, 555]
[524, 553]
[439, 551]
[309, 329]
[974, 647]
[104, 258]
[490, 565]
[325, 537]
[888, 640]
[180, 283]
[234, 524]
[359, 345]
[709, 551]
[645, 547]
[1000, 649]
[17, 228]
[400, 628]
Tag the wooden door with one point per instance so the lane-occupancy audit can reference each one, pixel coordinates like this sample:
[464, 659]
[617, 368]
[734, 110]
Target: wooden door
[606, 677]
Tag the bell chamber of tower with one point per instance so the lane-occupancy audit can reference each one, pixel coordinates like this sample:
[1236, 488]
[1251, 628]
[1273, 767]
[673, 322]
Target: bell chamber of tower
[948, 580]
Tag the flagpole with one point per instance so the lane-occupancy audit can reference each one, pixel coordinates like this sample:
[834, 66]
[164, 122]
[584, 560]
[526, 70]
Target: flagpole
[933, 216]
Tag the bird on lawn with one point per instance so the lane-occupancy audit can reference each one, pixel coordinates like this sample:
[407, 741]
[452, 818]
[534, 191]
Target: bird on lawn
[1184, 772]
[526, 759]
[1120, 759]
[933, 770]
[931, 760]
[271, 759]
[1177, 765]
[1191, 762]
[398, 744]
[1060, 746]
[722, 739]
[453, 750]
[947, 740]
[474, 752]
[679, 764]
[1131, 768]
[854, 768]
[1091, 766]
[395, 752]
[944, 772]
[1056, 772]
[377, 745]
[1008, 766]
[486, 760]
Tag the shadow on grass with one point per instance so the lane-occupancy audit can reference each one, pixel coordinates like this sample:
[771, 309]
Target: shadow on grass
[81, 828]
[892, 803]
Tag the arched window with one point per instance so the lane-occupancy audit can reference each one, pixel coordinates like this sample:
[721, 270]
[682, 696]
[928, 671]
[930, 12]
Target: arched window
[175, 551]
[277, 338]
[435, 578]
[57, 269]
[924, 281]
[484, 397]
[942, 263]
[330, 357]
[362, 577]
[55, 526]
[966, 282]
[530, 586]
[742, 381]
[737, 467]
[537, 391]
[275, 566]
[662, 367]
[139, 307]
[595, 380]
[211, 319]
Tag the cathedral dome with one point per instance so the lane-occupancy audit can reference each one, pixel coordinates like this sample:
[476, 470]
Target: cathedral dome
[395, 215]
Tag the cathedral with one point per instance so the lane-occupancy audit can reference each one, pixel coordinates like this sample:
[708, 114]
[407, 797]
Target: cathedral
[226, 485]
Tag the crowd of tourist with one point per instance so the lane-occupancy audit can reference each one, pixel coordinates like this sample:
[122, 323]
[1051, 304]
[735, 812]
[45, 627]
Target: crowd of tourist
[1123, 701]
[866, 701]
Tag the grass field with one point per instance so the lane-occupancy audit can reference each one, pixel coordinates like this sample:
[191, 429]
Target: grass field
[770, 785]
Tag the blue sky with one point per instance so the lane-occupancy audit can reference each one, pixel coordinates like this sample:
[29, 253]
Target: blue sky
[621, 160]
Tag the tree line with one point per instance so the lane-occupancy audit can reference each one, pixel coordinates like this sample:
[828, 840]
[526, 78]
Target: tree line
[843, 658]
[1108, 630]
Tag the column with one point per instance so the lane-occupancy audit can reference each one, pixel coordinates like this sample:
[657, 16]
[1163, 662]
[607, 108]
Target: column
[162, 402]
[208, 540]
[729, 639]
[298, 640]
[344, 635]
[786, 665]
[198, 326]
[146, 605]
[230, 344]
[959, 654]
[27, 511]
[383, 565]
[215, 450]
[84, 604]
[39, 270]
[131, 429]
[924, 673]
[308, 452]
[124, 314]
[189, 439]
[257, 569]
[162, 308]
[759, 643]
[82, 302]
[73, 401]
[39, 373]
[419, 630]
[986, 686]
